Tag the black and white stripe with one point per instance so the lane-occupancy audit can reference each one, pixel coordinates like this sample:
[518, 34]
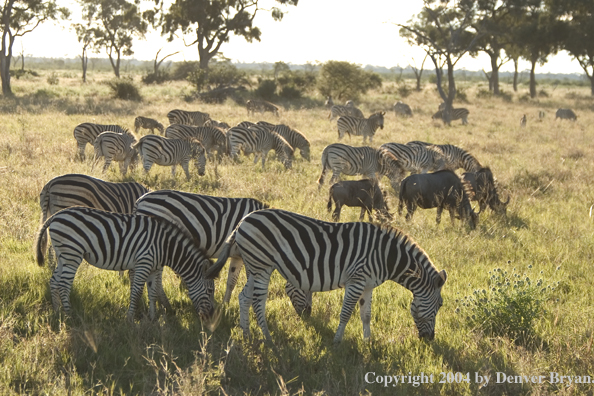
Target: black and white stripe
[457, 114]
[295, 138]
[258, 140]
[147, 123]
[348, 110]
[367, 161]
[118, 147]
[315, 256]
[120, 242]
[194, 118]
[171, 152]
[87, 133]
[223, 126]
[365, 127]
[261, 106]
[565, 114]
[213, 139]
[81, 190]
[416, 158]
[455, 157]
[210, 220]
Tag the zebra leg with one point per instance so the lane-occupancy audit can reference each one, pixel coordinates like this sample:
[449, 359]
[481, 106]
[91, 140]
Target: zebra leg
[352, 293]
[184, 166]
[152, 294]
[161, 296]
[301, 299]
[55, 288]
[64, 274]
[81, 151]
[234, 271]
[335, 176]
[259, 297]
[141, 274]
[365, 311]
[245, 301]
[108, 160]
[147, 165]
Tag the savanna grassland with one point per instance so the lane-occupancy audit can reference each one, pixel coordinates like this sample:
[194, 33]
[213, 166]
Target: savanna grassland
[547, 237]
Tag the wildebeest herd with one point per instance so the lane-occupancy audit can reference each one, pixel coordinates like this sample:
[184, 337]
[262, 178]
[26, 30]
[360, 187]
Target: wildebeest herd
[124, 226]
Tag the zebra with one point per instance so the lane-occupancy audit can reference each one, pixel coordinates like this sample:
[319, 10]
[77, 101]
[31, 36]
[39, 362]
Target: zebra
[360, 126]
[459, 113]
[402, 109]
[366, 161]
[81, 190]
[223, 126]
[210, 220]
[147, 123]
[314, 256]
[87, 133]
[454, 156]
[211, 138]
[523, 120]
[565, 114]
[118, 242]
[165, 152]
[339, 111]
[194, 118]
[116, 147]
[416, 158]
[261, 106]
[295, 138]
[260, 141]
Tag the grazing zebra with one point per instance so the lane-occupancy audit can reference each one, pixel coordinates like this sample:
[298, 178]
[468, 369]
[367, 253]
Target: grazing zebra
[211, 138]
[366, 161]
[460, 113]
[210, 220]
[523, 120]
[119, 242]
[416, 158]
[81, 190]
[194, 118]
[402, 109]
[87, 133]
[295, 138]
[247, 124]
[166, 152]
[454, 156]
[147, 123]
[565, 114]
[260, 141]
[350, 110]
[315, 256]
[217, 124]
[365, 127]
[261, 106]
[116, 147]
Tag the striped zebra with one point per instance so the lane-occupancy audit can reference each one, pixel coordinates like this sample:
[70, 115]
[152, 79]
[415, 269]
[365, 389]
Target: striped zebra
[565, 114]
[454, 156]
[194, 118]
[210, 220]
[457, 114]
[365, 127]
[223, 126]
[147, 123]
[171, 152]
[87, 133]
[119, 242]
[211, 138]
[260, 141]
[118, 147]
[416, 158]
[366, 161]
[261, 106]
[402, 109]
[295, 138]
[339, 111]
[315, 256]
[81, 190]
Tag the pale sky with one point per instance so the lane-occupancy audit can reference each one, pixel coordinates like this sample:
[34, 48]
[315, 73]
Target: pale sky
[362, 32]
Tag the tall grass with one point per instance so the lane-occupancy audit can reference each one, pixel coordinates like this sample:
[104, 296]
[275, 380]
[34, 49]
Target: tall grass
[546, 168]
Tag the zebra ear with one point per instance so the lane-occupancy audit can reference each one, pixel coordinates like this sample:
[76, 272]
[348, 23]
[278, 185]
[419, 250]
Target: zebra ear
[443, 276]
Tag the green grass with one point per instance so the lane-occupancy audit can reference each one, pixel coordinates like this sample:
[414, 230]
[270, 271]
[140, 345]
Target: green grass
[546, 168]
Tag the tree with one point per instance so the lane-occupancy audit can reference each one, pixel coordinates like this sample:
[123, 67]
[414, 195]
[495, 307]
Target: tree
[442, 29]
[113, 25]
[20, 17]
[344, 80]
[418, 72]
[213, 22]
[85, 37]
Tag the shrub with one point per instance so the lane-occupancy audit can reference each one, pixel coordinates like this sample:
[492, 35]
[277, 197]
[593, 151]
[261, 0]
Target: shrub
[53, 79]
[543, 94]
[403, 90]
[509, 306]
[182, 71]
[290, 92]
[266, 89]
[124, 89]
[484, 94]
[156, 78]
[344, 80]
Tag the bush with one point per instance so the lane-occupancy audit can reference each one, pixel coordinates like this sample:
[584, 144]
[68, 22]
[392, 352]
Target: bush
[484, 94]
[403, 90]
[219, 76]
[53, 79]
[182, 71]
[124, 89]
[344, 80]
[509, 306]
[156, 78]
[266, 89]
[290, 92]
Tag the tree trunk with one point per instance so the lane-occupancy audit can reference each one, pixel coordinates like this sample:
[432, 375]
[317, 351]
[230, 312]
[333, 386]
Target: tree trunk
[6, 49]
[494, 72]
[447, 112]
[489, 79]
[533, 79]
[438, 75]
[515, 74]
[85, 63]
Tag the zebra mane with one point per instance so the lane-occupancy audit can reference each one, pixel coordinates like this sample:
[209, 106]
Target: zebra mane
[175, 227]
[397, 233]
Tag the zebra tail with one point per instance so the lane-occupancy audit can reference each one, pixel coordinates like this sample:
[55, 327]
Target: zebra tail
[44, 202]
[41, 243]
[214, 270]
[324, 162]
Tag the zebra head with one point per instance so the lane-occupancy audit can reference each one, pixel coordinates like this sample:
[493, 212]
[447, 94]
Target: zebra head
[305, 152]
[201, 293]
[426, 304]
[199, 155]
[377, 119]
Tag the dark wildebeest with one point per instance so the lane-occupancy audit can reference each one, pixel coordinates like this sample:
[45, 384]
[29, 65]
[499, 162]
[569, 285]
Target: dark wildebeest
[440, 190]
[364, 194]
[484, 190]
